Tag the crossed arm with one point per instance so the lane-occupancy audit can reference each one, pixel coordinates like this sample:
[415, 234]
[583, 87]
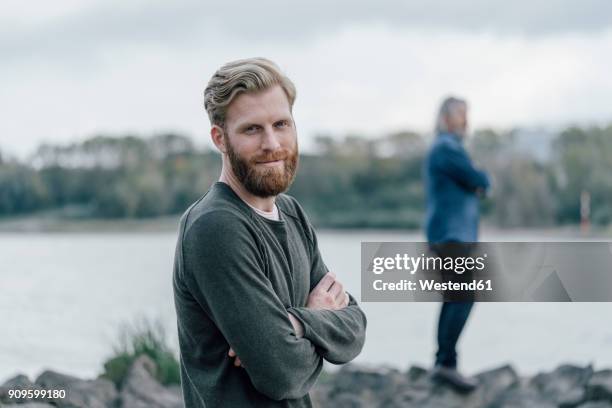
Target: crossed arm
[455, 162]
[328, 294]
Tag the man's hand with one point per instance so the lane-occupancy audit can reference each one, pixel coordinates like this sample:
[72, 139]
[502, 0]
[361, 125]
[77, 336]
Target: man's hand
[237, 361]
[329, 294]
[297, 326]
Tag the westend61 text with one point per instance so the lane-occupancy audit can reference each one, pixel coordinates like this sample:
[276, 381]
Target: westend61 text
[431, 285]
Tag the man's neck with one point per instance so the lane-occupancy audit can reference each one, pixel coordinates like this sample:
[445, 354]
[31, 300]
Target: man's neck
[264, 204]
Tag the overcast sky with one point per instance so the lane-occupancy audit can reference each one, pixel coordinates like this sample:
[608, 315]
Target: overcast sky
[74, 68]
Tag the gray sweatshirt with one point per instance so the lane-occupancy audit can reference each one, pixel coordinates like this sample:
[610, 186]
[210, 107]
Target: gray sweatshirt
[236, 275]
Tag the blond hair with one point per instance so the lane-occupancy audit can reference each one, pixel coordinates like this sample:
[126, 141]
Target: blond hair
[236, 77]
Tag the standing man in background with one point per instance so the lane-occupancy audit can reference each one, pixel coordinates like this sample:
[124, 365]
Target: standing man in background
[453, 188]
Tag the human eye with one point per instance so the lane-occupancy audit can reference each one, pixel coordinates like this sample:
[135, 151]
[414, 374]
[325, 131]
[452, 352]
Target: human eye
[281, 124]
[251, 129]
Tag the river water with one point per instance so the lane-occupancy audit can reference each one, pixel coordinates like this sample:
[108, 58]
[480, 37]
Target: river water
[64, 295]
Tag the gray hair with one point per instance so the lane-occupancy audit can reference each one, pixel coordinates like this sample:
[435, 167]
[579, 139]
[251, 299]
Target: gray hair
[448, 105]
[236, 77]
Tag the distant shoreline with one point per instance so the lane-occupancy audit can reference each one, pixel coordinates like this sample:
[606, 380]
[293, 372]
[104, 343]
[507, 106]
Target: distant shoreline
[51, 223]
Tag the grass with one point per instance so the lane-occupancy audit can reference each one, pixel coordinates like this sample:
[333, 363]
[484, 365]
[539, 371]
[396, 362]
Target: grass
[142, 337]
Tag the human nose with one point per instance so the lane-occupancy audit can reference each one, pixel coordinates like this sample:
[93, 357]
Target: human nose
[270, 140]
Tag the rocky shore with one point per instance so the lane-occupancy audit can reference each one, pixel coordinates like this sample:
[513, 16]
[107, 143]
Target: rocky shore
[566, 387]
[353, 386]
[139, 389]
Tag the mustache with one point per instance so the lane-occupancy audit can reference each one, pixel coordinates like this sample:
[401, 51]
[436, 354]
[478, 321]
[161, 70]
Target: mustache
[280, 154]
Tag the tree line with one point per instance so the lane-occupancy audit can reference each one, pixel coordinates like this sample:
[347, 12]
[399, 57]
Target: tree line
[354, 182]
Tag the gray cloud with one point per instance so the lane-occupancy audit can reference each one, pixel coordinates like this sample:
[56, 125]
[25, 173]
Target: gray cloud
[191, 23]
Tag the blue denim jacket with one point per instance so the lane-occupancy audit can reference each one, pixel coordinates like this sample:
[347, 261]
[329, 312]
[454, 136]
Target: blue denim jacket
[451, 181]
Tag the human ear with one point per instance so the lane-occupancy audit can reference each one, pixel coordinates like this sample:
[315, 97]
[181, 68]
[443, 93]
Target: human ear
[217, 136]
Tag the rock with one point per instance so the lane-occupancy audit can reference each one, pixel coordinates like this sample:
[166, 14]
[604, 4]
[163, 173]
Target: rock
[370, 385]
[599, 386]
[140, 389]
[522, 396]
[350, 401]
[596, 404]
[415, 391]
[50, 379]
[416, 373]
[498, 379]
[98, 393]
[430, 394]
[353, 378]
[19, 382]
[424, 393]
[565, 386]
[29, 405]
[492, 384]
[572, 399]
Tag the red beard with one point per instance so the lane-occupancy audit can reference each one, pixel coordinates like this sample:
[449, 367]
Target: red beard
[261, 181]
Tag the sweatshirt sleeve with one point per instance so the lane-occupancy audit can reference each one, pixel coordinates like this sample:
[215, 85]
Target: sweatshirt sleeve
[456, 164]
[339, 335]
[227, 277]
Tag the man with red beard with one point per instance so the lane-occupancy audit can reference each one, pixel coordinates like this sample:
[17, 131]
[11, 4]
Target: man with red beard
[257, 309]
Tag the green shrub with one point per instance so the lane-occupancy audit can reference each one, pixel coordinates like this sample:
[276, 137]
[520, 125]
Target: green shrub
[142, 337]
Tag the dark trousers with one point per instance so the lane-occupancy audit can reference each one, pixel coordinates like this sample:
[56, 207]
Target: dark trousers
[453, 316]
[456, 307]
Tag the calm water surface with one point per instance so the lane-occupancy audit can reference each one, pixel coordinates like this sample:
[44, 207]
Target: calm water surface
[64, 295]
